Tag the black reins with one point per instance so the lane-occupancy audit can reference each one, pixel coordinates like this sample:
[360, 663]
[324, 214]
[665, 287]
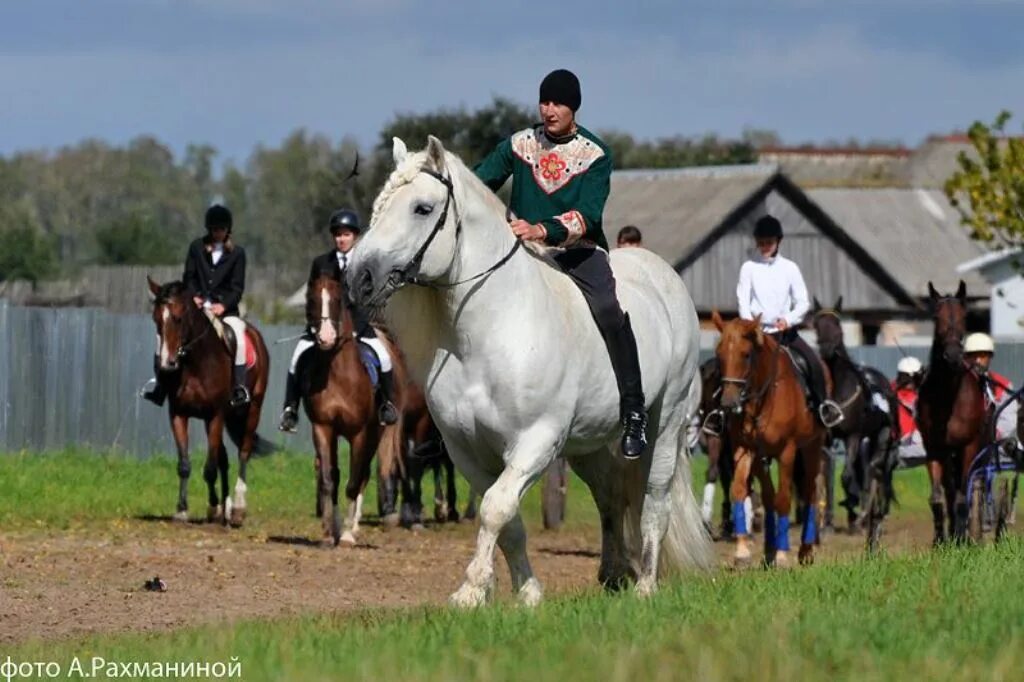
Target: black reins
[407, 274]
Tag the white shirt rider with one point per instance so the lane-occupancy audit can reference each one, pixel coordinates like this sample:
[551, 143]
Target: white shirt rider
[774, 288]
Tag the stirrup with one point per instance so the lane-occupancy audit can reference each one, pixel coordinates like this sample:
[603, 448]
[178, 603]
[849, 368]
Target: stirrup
[289, 420]
[240, 396]
[830, 413]
[388, 413]
[714, 423]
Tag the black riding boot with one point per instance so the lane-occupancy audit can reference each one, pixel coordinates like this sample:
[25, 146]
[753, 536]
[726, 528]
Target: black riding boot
[626, 365]
[827, 411]
[239, 392]
[388, 413]
[290, 414]
[154, 390]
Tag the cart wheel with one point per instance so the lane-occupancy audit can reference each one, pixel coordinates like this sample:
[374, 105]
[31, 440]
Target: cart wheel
[1002, 508]
[974, 518]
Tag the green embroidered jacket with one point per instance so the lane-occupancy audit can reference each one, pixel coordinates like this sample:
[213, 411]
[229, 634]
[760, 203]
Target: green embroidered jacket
[561, 186]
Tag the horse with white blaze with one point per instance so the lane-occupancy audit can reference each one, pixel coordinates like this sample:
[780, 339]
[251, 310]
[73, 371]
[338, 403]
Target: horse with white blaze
[516, 372]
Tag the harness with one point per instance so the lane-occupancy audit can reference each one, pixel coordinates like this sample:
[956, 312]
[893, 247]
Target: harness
[407, 274]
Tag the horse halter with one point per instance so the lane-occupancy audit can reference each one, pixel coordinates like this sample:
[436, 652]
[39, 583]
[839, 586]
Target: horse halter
[185, 346]
[744, 382]
[407, 274]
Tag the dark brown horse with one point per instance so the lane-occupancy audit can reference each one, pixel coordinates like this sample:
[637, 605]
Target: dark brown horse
[768, 419]
[195, 366]
[950, 415]
[869, 433]
[340, 402]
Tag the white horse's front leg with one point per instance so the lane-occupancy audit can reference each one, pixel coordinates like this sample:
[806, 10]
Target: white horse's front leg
[498, 508]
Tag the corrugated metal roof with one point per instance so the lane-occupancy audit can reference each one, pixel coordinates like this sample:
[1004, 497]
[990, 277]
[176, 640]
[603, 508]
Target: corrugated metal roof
[915, 234]
[675, 209]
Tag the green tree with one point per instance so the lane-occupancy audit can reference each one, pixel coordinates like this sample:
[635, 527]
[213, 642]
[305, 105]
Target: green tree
[988, 188]
[25, 252]
[136, 239]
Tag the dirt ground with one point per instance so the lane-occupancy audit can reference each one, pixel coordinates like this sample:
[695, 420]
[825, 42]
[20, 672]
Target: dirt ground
[55, 585]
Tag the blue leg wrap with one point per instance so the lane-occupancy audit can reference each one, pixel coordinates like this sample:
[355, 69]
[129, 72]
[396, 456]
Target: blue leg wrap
[770, 529]
[782, 534]
[810, 531]
[739, 518]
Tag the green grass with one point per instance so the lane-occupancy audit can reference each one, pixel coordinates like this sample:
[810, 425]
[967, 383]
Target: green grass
[83, 489]
[71, 490]
[954, 614]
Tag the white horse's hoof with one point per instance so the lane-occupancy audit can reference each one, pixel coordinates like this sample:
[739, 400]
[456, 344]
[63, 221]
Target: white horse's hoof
[468, 597]
[782, 559]
[645, 587]
[348, 538]
[531, 593]
[180, 517]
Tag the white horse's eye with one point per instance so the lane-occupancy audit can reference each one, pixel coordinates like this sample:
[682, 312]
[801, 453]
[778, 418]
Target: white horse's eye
[424, 209]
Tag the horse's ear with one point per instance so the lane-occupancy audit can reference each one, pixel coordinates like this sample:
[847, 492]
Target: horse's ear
[961, 291]
[435, 154]
[716, 318]
[839, 304]
[154, 288]
[758, 334]
[934, 295]
[817, 306]
[398, 150]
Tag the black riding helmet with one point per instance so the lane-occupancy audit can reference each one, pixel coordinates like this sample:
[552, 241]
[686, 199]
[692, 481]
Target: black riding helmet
[218, 216]
[768, 227]
[344, 218]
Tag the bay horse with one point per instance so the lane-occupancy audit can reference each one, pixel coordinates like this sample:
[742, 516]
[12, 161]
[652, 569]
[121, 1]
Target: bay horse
[516, 372]
[768, 419]
[951, 415]
[196, 369]
[869, 433]
[425, 451]
[340, 402]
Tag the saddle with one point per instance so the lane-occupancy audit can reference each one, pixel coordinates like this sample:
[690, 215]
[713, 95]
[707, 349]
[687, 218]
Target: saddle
[227, 336]
[803, 371]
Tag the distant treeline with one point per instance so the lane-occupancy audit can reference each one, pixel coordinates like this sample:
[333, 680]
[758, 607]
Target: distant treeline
[95, 203]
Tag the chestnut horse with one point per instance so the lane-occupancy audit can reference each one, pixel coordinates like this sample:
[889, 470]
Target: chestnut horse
[195, 368]
[340, 402]
[950, 415]
[768, 419]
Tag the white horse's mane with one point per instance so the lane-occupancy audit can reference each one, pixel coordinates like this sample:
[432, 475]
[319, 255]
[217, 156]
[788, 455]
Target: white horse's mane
[406, 171]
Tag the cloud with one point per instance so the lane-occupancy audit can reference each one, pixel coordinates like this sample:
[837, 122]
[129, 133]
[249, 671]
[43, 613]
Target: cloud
[829, 79]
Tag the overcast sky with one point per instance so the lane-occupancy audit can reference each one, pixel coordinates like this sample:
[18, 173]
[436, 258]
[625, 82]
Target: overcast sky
[235, 73]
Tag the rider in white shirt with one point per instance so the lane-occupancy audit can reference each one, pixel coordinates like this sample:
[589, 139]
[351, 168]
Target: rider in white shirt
[772, 286]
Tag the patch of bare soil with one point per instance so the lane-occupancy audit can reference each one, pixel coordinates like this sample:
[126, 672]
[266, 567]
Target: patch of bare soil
[64, 585]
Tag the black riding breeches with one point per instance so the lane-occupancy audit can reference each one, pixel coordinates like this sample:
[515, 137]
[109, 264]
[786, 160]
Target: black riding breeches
[590, 269]
[815, 368]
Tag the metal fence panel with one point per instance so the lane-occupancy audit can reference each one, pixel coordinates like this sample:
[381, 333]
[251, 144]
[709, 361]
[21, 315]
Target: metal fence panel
[69, 377]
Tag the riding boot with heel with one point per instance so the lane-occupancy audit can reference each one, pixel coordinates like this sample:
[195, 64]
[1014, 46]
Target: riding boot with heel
[290, 414]
[626, 365]
[240, 396]
[387, 413]
[154, 390]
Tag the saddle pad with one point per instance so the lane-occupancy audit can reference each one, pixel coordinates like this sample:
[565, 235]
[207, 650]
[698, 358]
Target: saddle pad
[250, 349]
[371, 362]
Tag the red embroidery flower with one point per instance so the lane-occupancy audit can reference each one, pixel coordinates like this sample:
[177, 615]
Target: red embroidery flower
[552, 167]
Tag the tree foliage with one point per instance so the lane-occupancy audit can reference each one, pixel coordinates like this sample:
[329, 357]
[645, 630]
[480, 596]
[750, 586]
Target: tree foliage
[988, 188]
[137, 203]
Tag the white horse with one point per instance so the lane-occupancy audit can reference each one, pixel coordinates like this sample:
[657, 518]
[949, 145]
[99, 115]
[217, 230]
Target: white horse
[516, 372]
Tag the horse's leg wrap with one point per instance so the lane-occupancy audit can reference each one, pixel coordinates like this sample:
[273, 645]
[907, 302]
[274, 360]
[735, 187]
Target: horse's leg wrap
[739, 518]
[782, 533]
[184, 468]
[809, 534]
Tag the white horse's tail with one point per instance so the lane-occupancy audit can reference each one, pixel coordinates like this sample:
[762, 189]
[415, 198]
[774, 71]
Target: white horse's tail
[687, 543]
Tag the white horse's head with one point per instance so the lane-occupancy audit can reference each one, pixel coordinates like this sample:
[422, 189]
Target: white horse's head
[412, 232]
